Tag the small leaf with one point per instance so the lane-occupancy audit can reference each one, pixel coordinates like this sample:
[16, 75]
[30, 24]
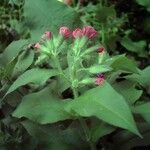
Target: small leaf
[128, 90]
[137, 47]
[24, 61]
[145, 3]
[144, 110]
[101, 130]
[123, 63]
[143, 78]
[13, 50]
[36, 76]
[99, 69]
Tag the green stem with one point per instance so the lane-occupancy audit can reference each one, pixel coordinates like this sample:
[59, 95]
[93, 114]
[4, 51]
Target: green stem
[58, 66]
[84, 125]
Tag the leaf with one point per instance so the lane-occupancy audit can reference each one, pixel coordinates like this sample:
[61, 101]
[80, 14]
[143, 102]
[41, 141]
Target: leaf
[99, 69]
[137, 47]
[48, 15]
[128, 91]
[106, 104]
[36, 76]
[103, 13]
[144, 110]
[13, 50]
[142, 78]
[101, 130]
[121, 62]
[42, 107]
[24, 61]
[145, 3]
[124, 140]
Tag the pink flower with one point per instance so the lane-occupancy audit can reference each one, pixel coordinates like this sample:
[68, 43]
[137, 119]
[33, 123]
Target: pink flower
[65, 32]
[99, 79]
[37, 45]
[77, 33]
[101, 50]
[89, 31]
[47, 35]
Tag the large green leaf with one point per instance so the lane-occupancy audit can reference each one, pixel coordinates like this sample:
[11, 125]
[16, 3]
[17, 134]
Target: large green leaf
[144, 110]
[145, 3]
[42, 107]
[106, 104]
[36, 76]
[42, 15]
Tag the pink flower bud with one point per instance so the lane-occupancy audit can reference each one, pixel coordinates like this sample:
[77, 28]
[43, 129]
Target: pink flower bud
[99, 79]
[89, 31]
[37, 46]
[65, 32]
[77, 33]
[101, 50]
[47, 35]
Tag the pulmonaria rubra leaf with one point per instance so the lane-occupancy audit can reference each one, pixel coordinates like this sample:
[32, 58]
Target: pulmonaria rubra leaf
[44, 15]
[36, 76]
[106, 104]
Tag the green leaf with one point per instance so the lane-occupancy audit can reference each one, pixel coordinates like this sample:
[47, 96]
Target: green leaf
[101, 130]
[128, 91]
[121, 62]
[13, 50]
[42, 107]
[106, 104]
[137, 47]
[36, 76]
[24, 61]
[144, 110]
[124, 140]
[143, 78]
[145, 3]
[48, 15]
[54, 134]
[103, 13]
[99, 69]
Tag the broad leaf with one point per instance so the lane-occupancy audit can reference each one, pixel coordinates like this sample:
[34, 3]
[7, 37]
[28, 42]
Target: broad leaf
[43, 15]
[42, 107]
[106, 104]
[36, 76]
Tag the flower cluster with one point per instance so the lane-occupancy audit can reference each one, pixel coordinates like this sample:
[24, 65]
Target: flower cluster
[65, 33]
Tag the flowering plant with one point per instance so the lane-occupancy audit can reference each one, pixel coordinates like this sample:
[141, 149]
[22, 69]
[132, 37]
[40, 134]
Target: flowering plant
[72, 87]
[71, 76]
